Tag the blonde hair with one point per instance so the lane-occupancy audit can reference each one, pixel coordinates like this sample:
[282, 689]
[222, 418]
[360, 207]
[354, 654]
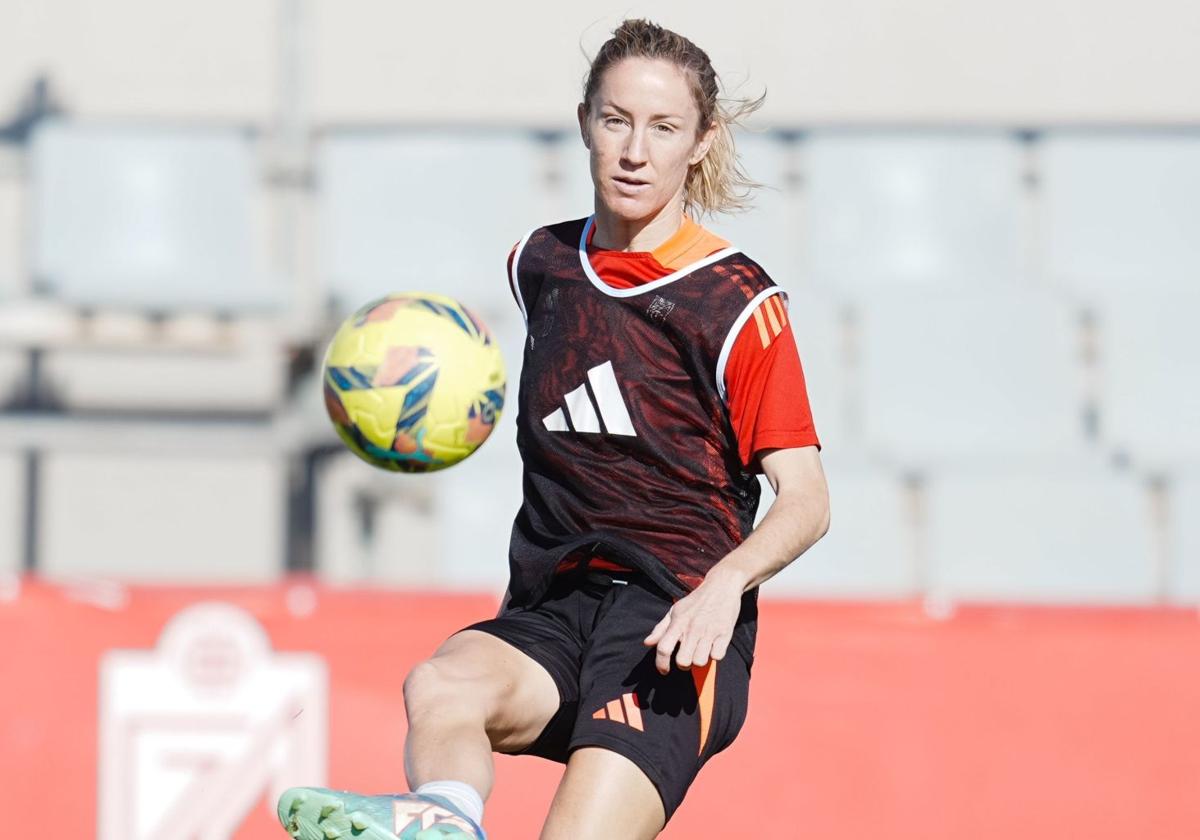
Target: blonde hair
[717, 184]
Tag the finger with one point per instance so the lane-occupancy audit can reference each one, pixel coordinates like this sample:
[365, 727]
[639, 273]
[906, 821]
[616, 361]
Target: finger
[662, 659]
[666, 647]
[659, 629]
[703, 653]
[686, 654]
[720, 647]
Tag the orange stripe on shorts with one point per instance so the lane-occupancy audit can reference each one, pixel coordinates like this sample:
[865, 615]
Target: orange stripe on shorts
[706, 682]
[632, 711]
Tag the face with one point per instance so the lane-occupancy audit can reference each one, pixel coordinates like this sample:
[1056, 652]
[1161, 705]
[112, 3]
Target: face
[642, 134]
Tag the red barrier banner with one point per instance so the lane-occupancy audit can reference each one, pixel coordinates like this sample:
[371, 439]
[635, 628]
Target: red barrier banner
[173, 714]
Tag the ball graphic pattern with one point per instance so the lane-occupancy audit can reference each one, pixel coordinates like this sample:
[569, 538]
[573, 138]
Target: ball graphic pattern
[414, 382]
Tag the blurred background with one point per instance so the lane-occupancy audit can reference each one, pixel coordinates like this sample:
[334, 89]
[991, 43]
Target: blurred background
[987, 217]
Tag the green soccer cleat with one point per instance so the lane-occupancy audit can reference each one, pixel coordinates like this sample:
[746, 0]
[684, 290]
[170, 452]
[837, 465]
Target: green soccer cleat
[323, 814]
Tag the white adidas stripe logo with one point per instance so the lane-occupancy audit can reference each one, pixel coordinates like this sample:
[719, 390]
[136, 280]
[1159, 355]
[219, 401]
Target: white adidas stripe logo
[582, 413]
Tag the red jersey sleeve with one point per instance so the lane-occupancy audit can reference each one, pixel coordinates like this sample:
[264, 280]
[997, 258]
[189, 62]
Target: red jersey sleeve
[765, 389]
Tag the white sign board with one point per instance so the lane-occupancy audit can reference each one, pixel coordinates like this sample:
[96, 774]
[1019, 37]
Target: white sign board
[196, 731]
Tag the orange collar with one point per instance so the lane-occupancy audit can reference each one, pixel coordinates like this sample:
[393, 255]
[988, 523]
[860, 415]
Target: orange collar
[688, 244]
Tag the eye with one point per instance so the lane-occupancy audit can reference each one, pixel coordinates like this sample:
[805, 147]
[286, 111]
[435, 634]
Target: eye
[666, 129]
[609, 121]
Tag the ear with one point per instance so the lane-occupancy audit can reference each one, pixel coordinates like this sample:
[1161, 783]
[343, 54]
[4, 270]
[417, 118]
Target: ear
[703, 144]
[582, 113]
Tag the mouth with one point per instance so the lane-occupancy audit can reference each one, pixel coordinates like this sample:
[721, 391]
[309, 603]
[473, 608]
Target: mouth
[629, 184]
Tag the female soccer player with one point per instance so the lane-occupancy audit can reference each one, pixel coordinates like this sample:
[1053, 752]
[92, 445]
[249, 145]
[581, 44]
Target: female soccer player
[660, 376]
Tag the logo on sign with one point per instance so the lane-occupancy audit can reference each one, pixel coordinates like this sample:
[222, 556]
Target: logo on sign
[194, 732]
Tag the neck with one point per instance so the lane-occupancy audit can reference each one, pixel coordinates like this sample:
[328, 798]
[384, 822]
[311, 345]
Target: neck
[616, 234]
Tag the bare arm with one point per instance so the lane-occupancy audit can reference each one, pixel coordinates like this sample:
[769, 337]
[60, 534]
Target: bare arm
[701, 623]
[797, 518]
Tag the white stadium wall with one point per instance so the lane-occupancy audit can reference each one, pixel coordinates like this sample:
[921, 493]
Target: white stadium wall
[1025, 61]
[142, 58]
[924, 60]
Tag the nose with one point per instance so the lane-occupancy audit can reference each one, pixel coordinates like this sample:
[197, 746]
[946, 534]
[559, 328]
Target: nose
[635, 148]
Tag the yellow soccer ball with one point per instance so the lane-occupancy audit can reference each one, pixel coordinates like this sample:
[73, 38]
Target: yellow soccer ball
[414, 382]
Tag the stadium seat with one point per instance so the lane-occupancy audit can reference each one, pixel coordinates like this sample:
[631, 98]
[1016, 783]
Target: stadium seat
[427, 211]
[30, 321]
[476, 501]
[240, 368]
[767, 231]
[14, 278]
[203, 513]
[981, 376]
[14, 365]
[575, 194]
[137, 222]
[1149, 352]
[1184, 538]
[12, 512]
[373, 527]
[1120, 210]
[869, 552]
[474, 507]
[159, 219]
[142, 58]
[1072, 535]
[912, 210]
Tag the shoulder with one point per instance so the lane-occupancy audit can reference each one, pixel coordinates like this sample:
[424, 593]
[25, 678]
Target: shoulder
[762, 303]
[745, 274]
[545, 245]
[564, 234]
[739, 259]
[568, 224]
[567, 232]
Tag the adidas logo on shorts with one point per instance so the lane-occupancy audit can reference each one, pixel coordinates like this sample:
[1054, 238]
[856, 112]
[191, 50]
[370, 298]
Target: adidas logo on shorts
[622, 710]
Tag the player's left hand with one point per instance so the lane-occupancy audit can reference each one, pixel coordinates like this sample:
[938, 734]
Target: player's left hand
[700, 624]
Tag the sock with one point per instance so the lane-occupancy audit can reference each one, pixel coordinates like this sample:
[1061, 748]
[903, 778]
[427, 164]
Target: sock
[461, 795]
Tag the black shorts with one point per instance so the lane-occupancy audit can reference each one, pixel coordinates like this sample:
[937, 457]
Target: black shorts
[588, 634]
